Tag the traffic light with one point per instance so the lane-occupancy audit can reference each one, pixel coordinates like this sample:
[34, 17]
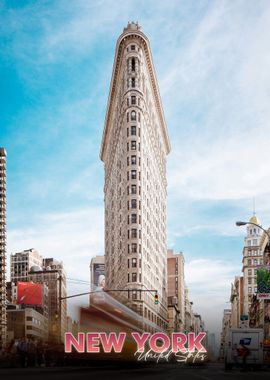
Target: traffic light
[156, 299]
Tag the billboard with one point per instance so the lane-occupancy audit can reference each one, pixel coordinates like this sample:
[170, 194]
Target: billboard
[263, 280]
[29, 293]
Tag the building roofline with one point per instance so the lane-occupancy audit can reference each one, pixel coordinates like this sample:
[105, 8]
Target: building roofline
[128, 32]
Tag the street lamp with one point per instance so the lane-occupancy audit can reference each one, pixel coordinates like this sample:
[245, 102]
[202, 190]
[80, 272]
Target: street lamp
[240, 223]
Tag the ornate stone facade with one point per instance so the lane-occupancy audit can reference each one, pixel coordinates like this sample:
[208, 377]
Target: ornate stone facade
[134, 148]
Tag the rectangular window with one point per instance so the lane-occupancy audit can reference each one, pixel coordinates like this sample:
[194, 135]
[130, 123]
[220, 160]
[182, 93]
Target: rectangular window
[133, 82]
[133, 160]
[249, 272]
[127, 161]
[133, 218]
[133, 189]
[133, 130]
[132, 47]
[133, 99]
[133, 233]
[127, 132]
[134, 294]
[133, 145]
[127, 175]
[250, 290]
[134, 277]
[133, 174]
[133, 203]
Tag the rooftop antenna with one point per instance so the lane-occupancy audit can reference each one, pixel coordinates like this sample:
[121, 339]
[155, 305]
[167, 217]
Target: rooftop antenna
[254, 208]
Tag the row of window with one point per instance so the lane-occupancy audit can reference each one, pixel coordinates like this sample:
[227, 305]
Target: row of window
[133, 219]
[254, 231]
[254, 242]
[133, 190]
[134, 233]
[133, 175]
[255, 262]
[250, 289]
[133, 115]
[132, 263]
[133, 131]
[133, 204]
[133, 160]
[253, 253]
[133, 146]
[134, 248]
[133, 101]
[134, 277]
[250, 272]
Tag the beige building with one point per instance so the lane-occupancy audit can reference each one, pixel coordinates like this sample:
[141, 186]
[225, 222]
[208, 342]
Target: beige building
[176, 291]
[53, 275]
[21, 262]
[134, 147]
[226, 325]
[3, 315]
[237, 302]
[189, 314]
[252, 259]
[26, 323]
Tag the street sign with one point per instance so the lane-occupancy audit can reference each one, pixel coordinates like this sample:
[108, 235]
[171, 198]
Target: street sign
[263, 296]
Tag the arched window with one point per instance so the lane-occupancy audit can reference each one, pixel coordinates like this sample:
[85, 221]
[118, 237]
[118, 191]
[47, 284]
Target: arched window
[133, 115]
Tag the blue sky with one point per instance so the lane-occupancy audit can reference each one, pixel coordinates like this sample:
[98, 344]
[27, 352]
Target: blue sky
[212, 60]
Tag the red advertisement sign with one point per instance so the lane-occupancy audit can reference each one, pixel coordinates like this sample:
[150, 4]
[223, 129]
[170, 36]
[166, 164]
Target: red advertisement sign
[29, 293]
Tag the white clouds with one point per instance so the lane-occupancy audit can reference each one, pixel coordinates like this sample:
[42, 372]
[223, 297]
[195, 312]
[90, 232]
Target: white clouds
[209, 288]
[222, 78]
[73, 237]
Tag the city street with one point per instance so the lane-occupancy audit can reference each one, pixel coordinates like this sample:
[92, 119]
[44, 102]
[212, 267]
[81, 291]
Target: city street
[161, 371]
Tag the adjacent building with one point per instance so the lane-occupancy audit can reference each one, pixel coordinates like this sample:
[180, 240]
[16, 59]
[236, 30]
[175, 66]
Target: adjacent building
[176, 291]
[237, 302]
[226, 325]
[97, 271]
[53, 275]
[3, 315]
[26, 323]
[21, 262]
[252, 259]
[134, 148]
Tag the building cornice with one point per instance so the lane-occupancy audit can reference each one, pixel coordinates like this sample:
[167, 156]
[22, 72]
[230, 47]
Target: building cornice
[121, 43]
